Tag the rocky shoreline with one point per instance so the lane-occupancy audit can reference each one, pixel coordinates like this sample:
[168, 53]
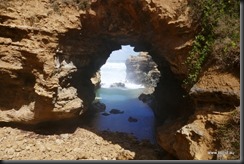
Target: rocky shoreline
[70, 141]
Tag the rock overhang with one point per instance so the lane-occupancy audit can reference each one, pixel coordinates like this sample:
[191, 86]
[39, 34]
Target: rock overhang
[65, 55]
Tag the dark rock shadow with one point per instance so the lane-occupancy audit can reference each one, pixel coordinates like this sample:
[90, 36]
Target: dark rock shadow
[144, 150]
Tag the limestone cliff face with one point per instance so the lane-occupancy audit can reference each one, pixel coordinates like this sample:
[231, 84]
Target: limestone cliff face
[142, 69]
[50, 52]
[215, 95]
[32, 75]
[51, 49]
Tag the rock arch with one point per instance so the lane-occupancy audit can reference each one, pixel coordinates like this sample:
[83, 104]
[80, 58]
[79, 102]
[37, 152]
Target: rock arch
[69, 57]
[49, 51]
[50, 64]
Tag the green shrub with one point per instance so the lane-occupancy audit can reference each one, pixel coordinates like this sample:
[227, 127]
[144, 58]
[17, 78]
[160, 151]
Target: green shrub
[218, 38]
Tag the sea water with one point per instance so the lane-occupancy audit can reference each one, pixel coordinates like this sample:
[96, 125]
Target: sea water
[114, 72]
[126, 100]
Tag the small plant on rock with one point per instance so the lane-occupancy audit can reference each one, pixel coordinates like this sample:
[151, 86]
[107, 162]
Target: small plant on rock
[218, 39]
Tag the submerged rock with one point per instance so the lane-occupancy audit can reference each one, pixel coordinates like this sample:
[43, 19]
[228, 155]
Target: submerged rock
[131, 119]
[98, 106]
[105, 114]
[116, 111]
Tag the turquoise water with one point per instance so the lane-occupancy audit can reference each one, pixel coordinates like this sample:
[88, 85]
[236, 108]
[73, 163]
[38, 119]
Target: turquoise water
[127, 101]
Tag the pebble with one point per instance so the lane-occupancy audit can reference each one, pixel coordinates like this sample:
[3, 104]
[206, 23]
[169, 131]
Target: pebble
[64, 136]
[104, 158]
[10, 151]
[58, 141]
[83, 144]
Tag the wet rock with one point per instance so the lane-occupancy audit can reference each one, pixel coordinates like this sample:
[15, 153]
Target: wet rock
[98, 107]
[116, 111]
[117, 85]
[105, 114]
[146, 98]
[131, 119]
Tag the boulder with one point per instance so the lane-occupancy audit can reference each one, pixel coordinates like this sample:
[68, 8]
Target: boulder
[117, 85]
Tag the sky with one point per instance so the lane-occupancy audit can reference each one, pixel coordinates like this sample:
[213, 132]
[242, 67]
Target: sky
[122, 54]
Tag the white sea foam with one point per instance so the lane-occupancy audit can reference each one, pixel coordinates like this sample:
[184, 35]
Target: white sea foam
[133, 86]
[112, 72]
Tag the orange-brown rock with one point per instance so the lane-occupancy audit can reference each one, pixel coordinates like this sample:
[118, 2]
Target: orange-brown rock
[51, 49]
[50, 52]
[215, 95]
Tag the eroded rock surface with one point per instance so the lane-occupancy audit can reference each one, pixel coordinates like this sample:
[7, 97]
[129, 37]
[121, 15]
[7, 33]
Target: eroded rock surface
[50, 52]
[218, 94]
[142, 70]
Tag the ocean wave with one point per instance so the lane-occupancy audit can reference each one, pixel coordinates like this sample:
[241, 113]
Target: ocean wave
[116, 73]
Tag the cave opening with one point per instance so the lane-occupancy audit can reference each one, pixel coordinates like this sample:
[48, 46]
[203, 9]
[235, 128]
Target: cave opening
[122, 102]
